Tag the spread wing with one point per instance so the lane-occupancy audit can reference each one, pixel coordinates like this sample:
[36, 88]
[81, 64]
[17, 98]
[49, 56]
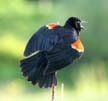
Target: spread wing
[45, 39]
[61, 59]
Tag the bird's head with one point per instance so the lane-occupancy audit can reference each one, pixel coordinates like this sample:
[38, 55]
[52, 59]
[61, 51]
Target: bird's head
[74, 22]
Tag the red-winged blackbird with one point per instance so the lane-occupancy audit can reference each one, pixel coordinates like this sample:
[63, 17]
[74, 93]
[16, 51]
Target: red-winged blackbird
[51, 48]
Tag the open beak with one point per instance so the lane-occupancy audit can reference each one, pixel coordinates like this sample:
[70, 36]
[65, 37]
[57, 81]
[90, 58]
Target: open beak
[81, 24]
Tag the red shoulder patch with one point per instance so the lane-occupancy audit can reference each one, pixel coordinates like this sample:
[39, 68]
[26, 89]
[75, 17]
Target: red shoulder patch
[52, 25]
[77, 45]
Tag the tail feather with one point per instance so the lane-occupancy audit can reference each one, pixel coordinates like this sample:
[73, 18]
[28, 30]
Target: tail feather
[33, 68]
[47, 81]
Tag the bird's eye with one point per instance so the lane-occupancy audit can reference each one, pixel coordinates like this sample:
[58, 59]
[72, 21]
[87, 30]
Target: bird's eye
[77, 25]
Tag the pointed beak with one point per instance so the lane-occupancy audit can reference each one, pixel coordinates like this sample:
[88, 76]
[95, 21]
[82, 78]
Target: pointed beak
[81, 24]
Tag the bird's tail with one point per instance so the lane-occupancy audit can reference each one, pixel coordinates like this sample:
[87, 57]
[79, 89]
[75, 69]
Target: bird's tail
[33, 68]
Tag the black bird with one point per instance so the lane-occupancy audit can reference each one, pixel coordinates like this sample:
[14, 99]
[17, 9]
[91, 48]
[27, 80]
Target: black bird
[51, 48]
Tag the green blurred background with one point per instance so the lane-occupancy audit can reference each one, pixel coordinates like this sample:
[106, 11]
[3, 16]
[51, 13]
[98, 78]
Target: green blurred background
[84, 80]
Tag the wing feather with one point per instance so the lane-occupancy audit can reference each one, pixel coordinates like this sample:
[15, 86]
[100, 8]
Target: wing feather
[46, 39]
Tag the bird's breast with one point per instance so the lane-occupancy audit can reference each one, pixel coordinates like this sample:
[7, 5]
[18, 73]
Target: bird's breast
[78, 46]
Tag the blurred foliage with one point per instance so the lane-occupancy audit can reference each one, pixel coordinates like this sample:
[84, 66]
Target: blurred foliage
[19, 19]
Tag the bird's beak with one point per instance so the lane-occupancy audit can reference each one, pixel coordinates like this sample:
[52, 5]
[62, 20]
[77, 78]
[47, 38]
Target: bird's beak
[81, 24]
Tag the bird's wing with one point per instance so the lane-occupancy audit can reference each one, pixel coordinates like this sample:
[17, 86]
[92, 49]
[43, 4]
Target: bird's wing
[44, 39]
[61, 59]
